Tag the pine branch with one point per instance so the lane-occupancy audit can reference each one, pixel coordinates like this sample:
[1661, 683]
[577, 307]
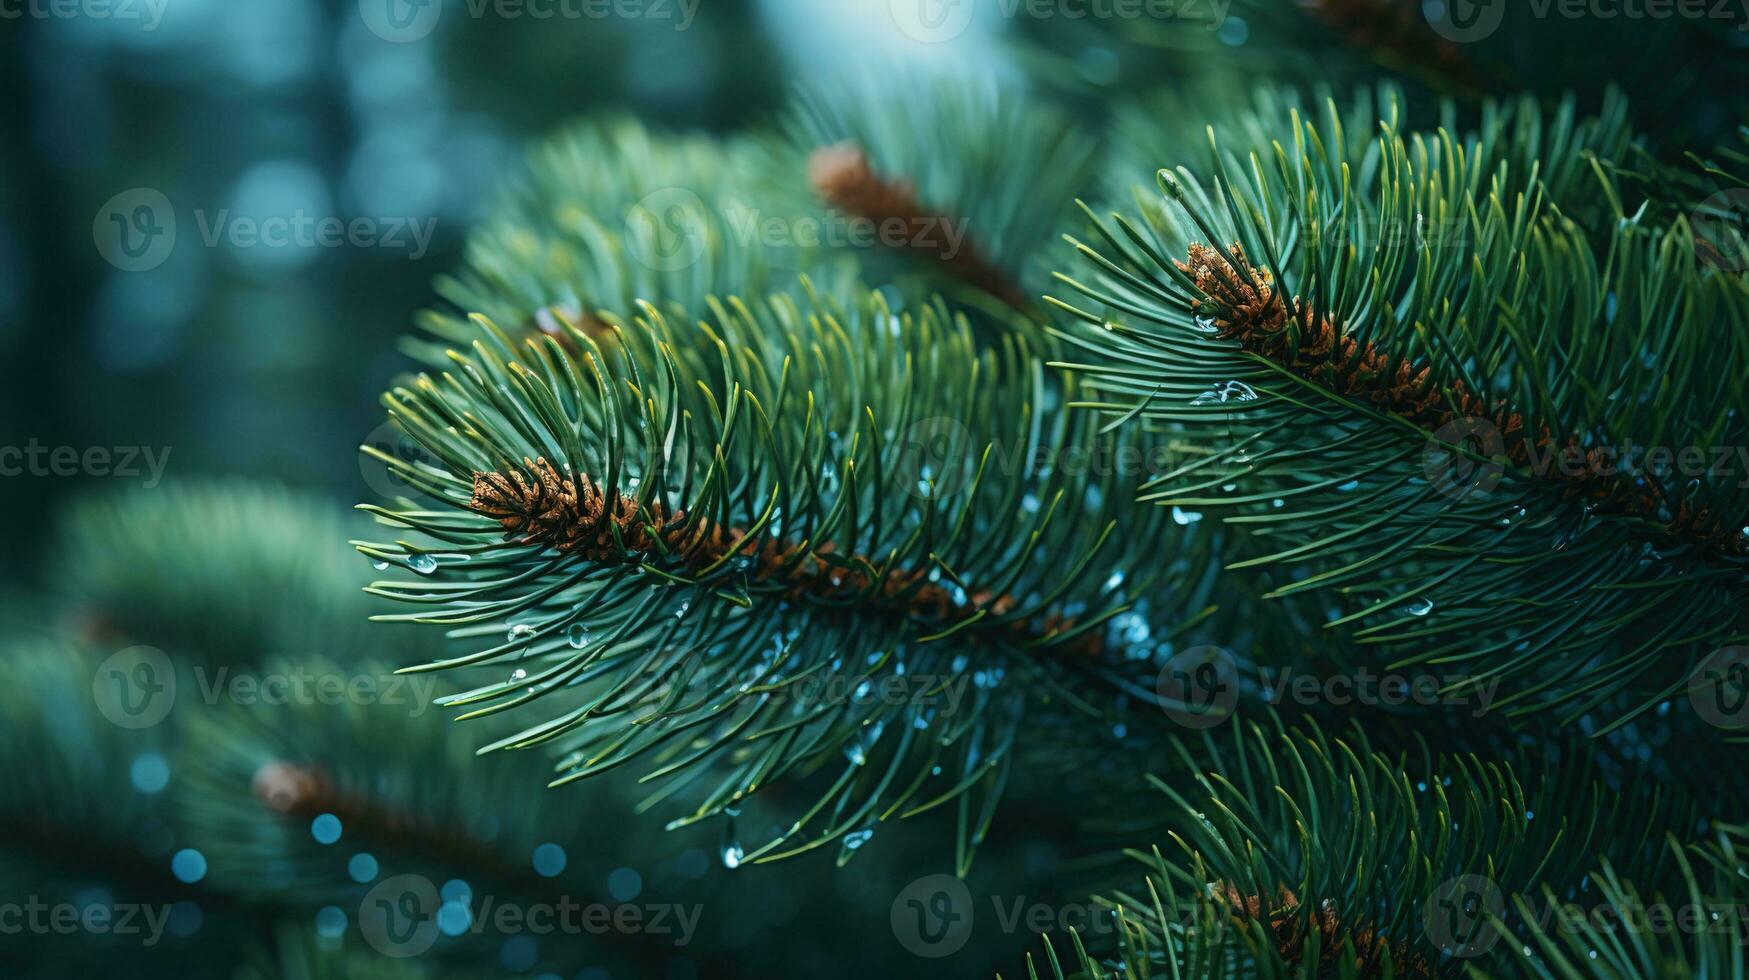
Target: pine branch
[1375, 349]
[1246, 307]
[1294, 853]
[705, 543]
[537, 505]
[842, 177]
[982, 180]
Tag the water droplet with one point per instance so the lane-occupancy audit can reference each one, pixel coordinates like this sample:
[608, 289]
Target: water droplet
[1421, 606]
[1206, 324]
[517, 675]
[519, 631]
[856, 750]
[423, 564]
[852, 841]
[1183, 517]
[1029, 503]
[577, 635]
[1115, 580]
[379, 565]
[732, 854]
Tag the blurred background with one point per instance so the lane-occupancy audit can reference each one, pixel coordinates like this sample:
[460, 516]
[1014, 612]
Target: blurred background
[226, 377]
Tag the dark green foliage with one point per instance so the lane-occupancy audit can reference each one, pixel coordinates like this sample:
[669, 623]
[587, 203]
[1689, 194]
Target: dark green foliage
[1282, 849]
[1694, 929]
[1534, 332]
[786, 547]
